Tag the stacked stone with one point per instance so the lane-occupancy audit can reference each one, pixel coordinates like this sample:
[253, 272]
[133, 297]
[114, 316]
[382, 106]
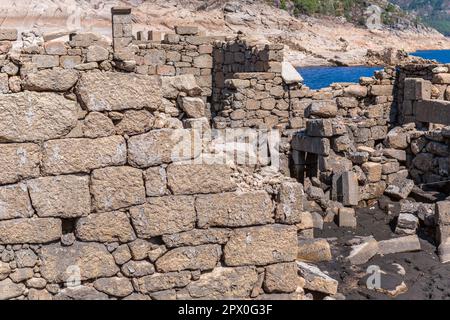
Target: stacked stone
[185, 52]
[92, 191]
[429, 156]
[7, 36]
[347, 146]
[256, 100]
[239, 56]
[122, 31]
[7, 68]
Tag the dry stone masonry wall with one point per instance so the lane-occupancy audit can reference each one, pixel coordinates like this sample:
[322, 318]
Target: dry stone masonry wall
[119, 179]
[99, 199]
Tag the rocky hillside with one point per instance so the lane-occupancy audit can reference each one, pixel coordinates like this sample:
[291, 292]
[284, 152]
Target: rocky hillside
[313, 39]
[436, 13]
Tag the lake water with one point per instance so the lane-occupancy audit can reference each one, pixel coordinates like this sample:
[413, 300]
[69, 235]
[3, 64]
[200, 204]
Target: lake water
[442, 56]
[321, 77]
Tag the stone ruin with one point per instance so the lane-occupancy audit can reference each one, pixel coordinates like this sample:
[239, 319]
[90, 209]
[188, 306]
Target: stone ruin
[120, 175]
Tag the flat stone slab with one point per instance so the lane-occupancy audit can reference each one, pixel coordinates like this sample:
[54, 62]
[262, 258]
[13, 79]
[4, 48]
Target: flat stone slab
[398, 245]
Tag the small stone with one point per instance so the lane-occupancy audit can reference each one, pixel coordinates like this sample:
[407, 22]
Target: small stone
[137, 269]
[347, 218]
[361, 253]
[281, 278]
[398, 245]
[316, 280]
[117, 287]
[407, 224]
[314, 250]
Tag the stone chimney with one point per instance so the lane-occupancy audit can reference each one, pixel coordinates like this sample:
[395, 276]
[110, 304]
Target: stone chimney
[122, 27]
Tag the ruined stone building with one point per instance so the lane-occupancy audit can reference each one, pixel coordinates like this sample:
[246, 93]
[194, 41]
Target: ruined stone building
[121, 173]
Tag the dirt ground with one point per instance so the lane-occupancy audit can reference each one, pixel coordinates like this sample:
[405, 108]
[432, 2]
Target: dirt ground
[425, 277]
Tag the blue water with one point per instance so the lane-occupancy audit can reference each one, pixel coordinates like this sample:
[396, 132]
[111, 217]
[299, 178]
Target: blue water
[321, 77]
[442, 56]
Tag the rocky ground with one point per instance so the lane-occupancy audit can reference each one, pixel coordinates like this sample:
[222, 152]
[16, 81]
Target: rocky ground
[424, 276]
[311, 41]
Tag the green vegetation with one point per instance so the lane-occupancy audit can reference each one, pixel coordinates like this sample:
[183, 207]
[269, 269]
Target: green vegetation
[432, 12]
[353, 11]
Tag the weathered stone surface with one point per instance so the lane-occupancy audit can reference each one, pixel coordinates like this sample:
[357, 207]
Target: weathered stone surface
[346, 188]
[9, 289]
[193, 107]
[8, 34]
[113, 188]
[444, 251]
[33, 230]
[135, 122]
[323, 109]
[172, 86]
[316, 145]
[233, 209]
[156, 181]
[197, 237]
[83, 155]
[434, 111]
[97, 125]
[256, 245]
[117, 287]
[314, 250]
[319, 127]
[51, 80]
[289, 74]
[60, 196]
[199, 178]
[290, 203]
[138, 268]
[372, 171]
[347, 217]
[105, 227]
[92, 260]
[407, 223]
[281, 277]
[400, 189]
[122, 254]
[112, 91]
[32, 116]
[316, 280]
[96, 53]
[363, 252]
[163, 281]
[163, 146]
[5, 270]
[355, 91]
[203, 257]
[21, 274]
[397, 245]
[443, 212]
[164, 215]
[14, 202]
[224, 283]
[80, 293]
[45, 61]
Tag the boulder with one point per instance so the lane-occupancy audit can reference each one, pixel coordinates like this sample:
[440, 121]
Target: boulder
[115, 91]
[32, 116]
[58, 80]
[289, 74]
[397, 245]
[255, 245]
[363, 252]
[316, 280]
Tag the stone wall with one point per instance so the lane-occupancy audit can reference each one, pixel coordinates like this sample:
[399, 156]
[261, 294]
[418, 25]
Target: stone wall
[112, 185]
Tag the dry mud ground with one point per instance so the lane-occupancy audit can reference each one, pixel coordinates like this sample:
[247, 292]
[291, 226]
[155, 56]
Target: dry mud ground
[425, 277]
